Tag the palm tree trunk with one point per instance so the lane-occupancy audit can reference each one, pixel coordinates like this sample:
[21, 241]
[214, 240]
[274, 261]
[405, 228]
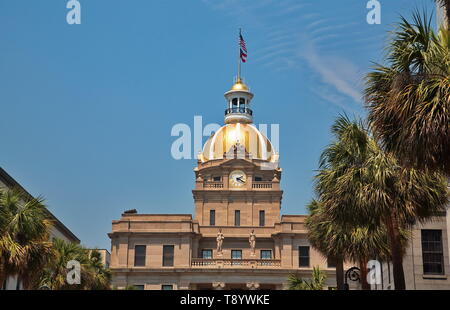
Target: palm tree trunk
[26, 282]
[2, 276]
[363, 274]
[396, 252]
[340, 273]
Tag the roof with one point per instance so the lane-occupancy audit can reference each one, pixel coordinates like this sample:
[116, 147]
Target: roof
[11, 183]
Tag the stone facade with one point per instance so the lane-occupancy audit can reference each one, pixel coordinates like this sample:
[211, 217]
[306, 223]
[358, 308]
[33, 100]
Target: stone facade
[192, 271]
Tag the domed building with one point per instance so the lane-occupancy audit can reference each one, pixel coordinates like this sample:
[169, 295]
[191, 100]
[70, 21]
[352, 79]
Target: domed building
[237, 237]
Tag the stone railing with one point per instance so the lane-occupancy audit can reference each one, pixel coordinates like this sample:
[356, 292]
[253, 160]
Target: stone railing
[262, 185]
[213, 185]
[235, 263]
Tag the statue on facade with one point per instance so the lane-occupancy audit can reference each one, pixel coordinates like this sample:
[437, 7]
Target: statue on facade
[219, 240]
[252, 241]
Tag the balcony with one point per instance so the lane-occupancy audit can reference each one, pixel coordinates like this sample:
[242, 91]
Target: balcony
[235, 263]
[261, 184]
[216, 185]
[240, 110]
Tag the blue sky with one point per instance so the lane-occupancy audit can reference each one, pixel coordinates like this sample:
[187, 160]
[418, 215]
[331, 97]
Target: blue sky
[87, 110]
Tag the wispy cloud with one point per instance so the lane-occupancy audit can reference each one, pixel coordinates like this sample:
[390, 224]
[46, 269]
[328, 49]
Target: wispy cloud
[329, 96]
[299, 39]
[337, 72]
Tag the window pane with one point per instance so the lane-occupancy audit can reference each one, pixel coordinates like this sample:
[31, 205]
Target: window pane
[236, 254]
[139, 287]
[168, 255]
[237, 218]
[212, 217]
[432, 252]
[139, 255]
[167, 287]
[207, 254]
[262, 218]
[303, 259]
[266, 254]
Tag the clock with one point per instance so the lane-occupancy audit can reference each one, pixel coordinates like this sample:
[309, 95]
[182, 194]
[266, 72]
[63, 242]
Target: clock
[237, 179]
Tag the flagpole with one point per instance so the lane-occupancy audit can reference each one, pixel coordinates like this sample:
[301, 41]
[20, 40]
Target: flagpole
[239, 59]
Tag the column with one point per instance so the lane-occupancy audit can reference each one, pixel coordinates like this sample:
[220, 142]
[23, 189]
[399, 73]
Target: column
[286, 252]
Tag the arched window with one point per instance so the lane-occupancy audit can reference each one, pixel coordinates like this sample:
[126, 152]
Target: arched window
[234, 105]
[242, 105]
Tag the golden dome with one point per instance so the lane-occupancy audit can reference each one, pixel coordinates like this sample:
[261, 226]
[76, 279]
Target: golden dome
[246, 135]
[239, 85]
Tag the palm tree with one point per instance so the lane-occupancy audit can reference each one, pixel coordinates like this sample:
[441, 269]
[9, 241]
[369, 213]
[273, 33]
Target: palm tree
[93, 274]
[101, 275]
[408, 99]
[24, 235]
[55, 274]
[351, 242]
[317, 281]
[327, 238]
[375, 190]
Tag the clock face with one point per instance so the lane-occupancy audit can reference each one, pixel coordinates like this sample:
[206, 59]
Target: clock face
[237, 178]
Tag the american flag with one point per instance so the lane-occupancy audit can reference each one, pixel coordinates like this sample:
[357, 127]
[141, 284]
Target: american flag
[243, 48]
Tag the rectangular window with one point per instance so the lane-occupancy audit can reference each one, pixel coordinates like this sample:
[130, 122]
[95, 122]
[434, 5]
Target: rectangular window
[266, 254]
[237, 218]
[217, 179]
[167, 287]
[139, 255]
[236, 255]
[212, 217]
[139, 287]
[432, 252]
[258, 179]
[207, 254]
[262, 218]
[331, 262]
[168, 251]
[303, 256]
